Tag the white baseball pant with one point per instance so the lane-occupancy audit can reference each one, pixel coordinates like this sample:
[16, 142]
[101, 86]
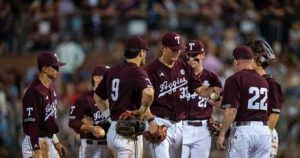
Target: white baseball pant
[249, 141]
[93, 150]
[171, 147]
[196, 139]
[122, 147]
[27, 150]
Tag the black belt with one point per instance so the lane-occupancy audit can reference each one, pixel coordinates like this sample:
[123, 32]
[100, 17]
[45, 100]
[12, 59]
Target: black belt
[196, 124]
[247, 123]
[99, 142]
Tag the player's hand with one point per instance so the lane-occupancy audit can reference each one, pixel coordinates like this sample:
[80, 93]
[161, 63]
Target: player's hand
[216, 103]
[60, 149]
[87, 121]
[137, 113]
[153, 127]
[220, 142]
[98, 131]
[37, 154]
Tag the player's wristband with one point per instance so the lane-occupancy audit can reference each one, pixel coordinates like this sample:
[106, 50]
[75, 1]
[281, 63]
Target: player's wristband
[150, 119]
[55, 139]
[106, 113]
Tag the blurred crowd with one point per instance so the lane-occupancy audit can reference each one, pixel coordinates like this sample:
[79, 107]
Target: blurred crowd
[77, 29]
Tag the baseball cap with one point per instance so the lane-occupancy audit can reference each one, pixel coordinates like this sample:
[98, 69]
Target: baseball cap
[100, 70]
[194, 46]
[242, 52]
[48, 59]
[136, 42]
[173, 41]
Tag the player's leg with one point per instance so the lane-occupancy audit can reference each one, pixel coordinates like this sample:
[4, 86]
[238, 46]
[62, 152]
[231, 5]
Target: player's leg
[187, 140]
[201, 148]
[123, 147]
[86, 150]
[175, 147]
[238, 143]
[162, 149]
[27, 151]
[262, 141]
[103, 152]
[53, 153]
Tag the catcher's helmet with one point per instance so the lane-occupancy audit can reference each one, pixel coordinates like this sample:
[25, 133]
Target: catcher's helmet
[262, 51]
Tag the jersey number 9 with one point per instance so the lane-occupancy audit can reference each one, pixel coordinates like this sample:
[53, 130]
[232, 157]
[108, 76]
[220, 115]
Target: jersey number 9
[115, 89]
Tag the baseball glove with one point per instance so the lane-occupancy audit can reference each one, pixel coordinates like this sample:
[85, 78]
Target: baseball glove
[158, 136]
[130, 127]
[214, 127]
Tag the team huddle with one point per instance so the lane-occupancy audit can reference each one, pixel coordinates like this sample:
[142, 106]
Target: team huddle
[166, 106]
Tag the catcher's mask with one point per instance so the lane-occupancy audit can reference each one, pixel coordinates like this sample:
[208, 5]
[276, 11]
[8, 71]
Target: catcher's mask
[262, 51]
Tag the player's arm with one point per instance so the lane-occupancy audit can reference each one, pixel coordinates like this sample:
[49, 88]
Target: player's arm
[58, 146]
[101, 99]
[273, 119]
[275, 102]
[77, 120]
[143, 83]
[205, 92]
[146, 100]
[229, 116]
[31, 117]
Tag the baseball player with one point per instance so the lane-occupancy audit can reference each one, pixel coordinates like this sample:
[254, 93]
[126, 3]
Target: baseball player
[86, 120]
[264, 54]
[245, 99]
[127, 87]
[171, 78]
[39, 111]
[198, 110]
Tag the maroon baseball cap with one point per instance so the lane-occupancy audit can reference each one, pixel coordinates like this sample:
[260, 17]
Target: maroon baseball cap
[173, 41]
[194, 46]
[100, 70]
[48, 59]
[242, 52]
[136, 42]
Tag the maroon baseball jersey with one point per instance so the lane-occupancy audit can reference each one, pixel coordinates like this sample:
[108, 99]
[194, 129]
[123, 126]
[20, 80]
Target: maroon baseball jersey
[39, 112]
[247, 91]
[85, 106]
[197, 107]
[275, 94]
[123, 86]
[170, 86]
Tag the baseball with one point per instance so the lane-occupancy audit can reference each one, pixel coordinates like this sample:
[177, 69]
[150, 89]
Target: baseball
[214, 96]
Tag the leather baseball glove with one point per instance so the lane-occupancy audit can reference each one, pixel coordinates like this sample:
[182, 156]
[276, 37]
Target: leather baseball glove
[158, 136]
[214, 127]
[129, 126]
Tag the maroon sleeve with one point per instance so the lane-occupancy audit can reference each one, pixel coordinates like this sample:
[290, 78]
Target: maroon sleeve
[231, 95]
[101, 90]
[274, 97]
[77, 112]
[31, 101]
[142, 80]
